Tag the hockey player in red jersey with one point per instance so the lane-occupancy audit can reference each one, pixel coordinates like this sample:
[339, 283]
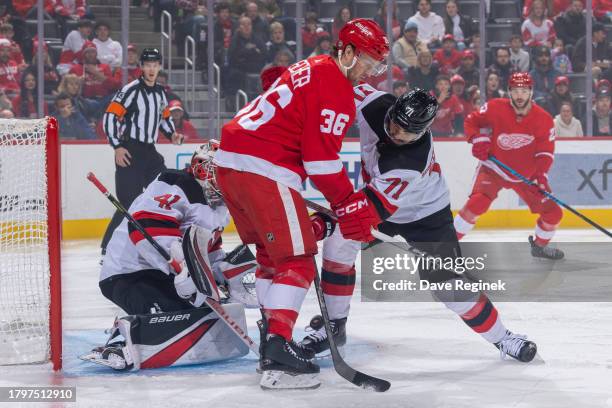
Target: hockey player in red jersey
[520, 134]
[291, 132]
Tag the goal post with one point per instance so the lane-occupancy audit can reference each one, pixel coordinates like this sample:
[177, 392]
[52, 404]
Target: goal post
[30, 239]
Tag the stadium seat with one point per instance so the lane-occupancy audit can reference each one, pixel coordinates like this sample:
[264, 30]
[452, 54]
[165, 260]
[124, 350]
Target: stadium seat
[252, 84]
[505, 11]
[578, 83]
[438, 7]
[289, 8]
[328, 9]
[366, 8]
[470, 8]
[499, 34]
[51, 28]
[405, 10]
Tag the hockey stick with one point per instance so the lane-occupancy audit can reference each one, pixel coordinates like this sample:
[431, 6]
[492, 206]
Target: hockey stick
[212, 303]
[549, 195]
[342, 368]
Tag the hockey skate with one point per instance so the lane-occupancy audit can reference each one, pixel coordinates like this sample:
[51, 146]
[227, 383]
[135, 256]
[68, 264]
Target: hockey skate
[317, 341]
[517, 346]
[114, 355]
[544, 251]
[283, 368]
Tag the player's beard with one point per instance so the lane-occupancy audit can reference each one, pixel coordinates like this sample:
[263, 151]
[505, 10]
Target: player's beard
[522, 108]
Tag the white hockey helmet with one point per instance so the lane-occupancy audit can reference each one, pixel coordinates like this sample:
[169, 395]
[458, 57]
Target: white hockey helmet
[205, 171]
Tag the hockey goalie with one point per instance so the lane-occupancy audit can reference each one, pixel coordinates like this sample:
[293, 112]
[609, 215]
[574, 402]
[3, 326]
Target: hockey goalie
[166, 324]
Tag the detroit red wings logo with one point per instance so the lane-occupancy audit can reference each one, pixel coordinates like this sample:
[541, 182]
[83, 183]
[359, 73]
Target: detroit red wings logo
[510, 141]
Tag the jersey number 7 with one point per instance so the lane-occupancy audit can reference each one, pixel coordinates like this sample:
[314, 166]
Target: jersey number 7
[395, 182]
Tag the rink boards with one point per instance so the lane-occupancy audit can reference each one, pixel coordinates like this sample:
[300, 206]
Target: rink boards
[581, 176]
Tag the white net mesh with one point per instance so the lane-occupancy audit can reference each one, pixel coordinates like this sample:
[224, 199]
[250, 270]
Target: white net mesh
[24, 262]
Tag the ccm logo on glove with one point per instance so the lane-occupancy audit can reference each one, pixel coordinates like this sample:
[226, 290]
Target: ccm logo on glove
[352, 207]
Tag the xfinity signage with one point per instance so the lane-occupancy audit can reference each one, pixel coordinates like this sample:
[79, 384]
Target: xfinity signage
[582, 179]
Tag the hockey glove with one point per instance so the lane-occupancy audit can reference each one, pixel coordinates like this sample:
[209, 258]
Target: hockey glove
[356, 217]
[540, 181]
[481, 146]
[323, 225]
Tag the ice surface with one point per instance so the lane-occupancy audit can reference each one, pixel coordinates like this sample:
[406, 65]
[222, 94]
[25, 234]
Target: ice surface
[431, 358]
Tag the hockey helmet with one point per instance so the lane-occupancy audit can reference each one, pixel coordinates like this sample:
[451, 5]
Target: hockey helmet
[520, 80]
[150, 54]
[413, 112]
[205, 171]
[369, 40]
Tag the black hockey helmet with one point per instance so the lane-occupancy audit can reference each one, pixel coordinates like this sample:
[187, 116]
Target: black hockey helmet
[414, 112]
[150, 54]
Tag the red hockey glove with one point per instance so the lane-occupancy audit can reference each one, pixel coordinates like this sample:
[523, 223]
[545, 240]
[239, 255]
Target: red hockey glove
[323, 225]
[356, 217]
[540, 181]
[481, 146]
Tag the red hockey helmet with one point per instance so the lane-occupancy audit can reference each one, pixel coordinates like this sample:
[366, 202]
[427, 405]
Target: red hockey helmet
[204, 170]
[520, 80]
[367, 37]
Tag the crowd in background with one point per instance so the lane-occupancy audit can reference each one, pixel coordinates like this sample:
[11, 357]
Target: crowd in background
[437, 52]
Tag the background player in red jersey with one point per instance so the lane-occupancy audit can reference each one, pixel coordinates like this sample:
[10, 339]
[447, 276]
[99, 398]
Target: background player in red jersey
[291, 132]
[520, 134]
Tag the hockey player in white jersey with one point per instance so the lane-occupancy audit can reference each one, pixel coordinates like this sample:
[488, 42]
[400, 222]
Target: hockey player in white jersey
[404, 182]
[166, 323]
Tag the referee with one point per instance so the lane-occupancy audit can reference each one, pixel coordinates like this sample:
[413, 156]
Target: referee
[132, 123]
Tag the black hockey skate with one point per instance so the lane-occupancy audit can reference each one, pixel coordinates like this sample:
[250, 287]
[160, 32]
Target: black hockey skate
[317, 341]
[262, 324]
[283, 368]
[517, 346]
[544, 251]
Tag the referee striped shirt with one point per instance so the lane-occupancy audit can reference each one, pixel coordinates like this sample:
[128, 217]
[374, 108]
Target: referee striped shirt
[138, 112]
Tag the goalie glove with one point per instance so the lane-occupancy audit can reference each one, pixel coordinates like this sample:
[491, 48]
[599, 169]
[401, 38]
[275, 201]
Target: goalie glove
[238, 269]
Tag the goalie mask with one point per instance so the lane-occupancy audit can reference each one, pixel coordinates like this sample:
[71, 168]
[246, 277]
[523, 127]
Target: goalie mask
[204, 170]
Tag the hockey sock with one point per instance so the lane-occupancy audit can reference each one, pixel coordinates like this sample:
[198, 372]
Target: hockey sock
[481, 316]
[338, 284]
[285, 295]
[263, 281]
[464, 223]
[544, 232]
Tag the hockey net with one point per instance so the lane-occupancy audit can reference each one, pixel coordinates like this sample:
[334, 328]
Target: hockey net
[30, 291]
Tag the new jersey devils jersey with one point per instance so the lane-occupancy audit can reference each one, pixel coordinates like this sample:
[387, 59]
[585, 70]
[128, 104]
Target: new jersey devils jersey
[167, 207]
[524, 143]
[295, 130]
[406, 180]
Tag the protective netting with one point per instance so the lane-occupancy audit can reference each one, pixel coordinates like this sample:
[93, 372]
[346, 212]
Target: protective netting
[24, 259]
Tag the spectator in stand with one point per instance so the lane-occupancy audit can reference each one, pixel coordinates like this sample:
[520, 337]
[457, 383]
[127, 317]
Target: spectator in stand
[424, 74]
[71, 85]
[5, 102]
[543, 73]
[381, 19]
[324, 45]
[492, 85]
[571, 25]
[447, 57]
[468, 69]
[98, 81]
[23, 7]
[260, 26]
[380, 82]
[6, 114]
[502, 66]
[449, 119]
[343, 16]
[400, 88]
[277, 42]
[73, 45]
[310, 33]
[6, 31]
[162, 79]
[601, 50]
[461, 27]
[458, 89]
[9, 70]
[192, 14]
[431, 25]
[603, 85]
[560, 95]
[51, 76]
[560, 60]
[408, 46]
[25, 104]
[602, 116]
[473, 94]
[602, 10]
[519, 58]
[133, 65]
[71, 123]
[537, 29]
[552, 7]
[566, 125]
[110, 52]
[270, 10]
[182, 124]
[246, 56]
[69, 10]
[224, 30]
[283, 58]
